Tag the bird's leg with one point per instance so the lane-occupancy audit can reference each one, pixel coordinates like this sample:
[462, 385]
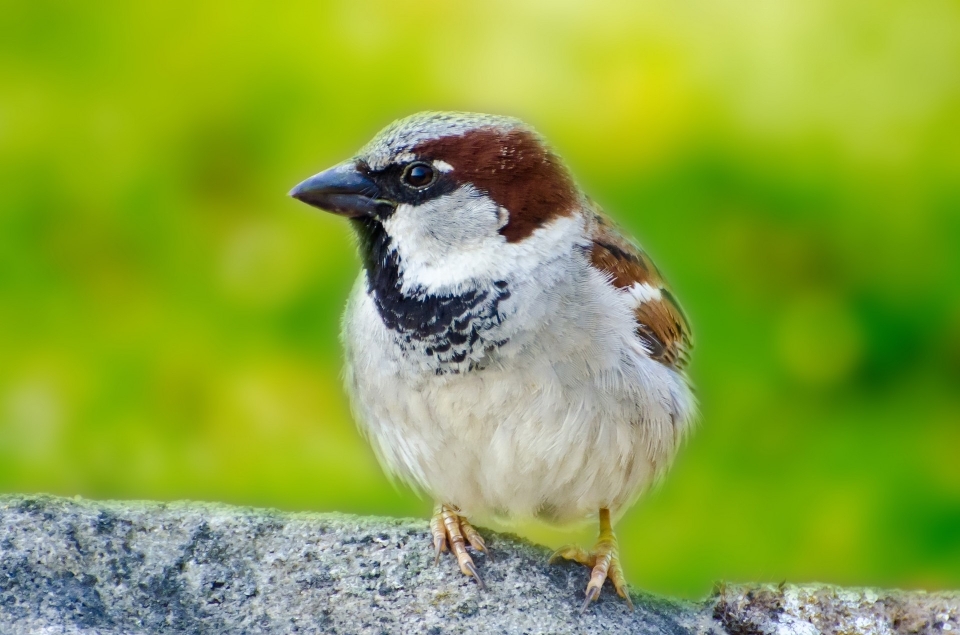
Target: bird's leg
[604, 560]
[447, 526]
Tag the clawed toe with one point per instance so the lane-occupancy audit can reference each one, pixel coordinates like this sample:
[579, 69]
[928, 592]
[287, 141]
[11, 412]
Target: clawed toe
[604, 562]
[592, 593]
[448, 527]
[452, 532]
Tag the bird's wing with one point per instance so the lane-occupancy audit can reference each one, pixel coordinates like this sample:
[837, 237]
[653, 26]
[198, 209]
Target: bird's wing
[661, 324]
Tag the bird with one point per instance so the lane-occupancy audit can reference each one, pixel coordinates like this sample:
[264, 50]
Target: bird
[509, 352]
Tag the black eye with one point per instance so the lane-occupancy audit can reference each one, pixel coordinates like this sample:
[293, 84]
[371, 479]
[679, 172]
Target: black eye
[418, 175]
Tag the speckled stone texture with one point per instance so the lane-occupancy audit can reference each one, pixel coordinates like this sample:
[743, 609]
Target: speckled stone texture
[814, 609]
[69, 566]
[73, 566]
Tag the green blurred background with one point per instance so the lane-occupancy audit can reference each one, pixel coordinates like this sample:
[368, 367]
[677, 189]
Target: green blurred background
[169, 319]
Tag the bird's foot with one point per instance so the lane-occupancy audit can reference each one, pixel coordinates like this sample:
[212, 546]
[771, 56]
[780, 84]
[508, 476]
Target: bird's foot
[447, 526]
[604, 560]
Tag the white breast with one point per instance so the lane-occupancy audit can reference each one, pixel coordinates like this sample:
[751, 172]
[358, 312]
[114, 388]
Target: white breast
[569, 416]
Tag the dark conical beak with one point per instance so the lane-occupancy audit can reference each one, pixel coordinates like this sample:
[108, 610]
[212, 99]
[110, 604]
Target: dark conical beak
[343, 190]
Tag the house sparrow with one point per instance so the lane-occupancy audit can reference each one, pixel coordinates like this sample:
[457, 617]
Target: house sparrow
[509, 352]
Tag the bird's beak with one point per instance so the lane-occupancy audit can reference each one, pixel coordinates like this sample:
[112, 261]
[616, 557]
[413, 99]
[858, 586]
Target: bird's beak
[343, 190]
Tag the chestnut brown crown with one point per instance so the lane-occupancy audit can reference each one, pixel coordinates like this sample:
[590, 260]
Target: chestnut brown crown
[430, 154]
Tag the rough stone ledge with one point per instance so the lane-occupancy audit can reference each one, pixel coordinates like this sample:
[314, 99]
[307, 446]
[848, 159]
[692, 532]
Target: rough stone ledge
[73, 566]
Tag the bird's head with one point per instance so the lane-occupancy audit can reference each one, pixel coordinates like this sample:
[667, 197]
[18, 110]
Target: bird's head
[453, 193]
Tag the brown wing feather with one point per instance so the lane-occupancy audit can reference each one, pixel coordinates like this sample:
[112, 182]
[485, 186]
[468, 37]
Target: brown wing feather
[661, 324]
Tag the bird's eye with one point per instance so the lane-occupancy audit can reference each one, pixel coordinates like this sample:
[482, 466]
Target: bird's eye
[418, 175]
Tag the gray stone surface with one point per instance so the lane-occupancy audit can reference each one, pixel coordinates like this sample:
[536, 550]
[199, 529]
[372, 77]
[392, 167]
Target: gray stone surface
[816, 608]
[73, 566]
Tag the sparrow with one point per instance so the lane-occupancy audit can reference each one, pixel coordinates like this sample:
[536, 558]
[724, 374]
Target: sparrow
[509, 352]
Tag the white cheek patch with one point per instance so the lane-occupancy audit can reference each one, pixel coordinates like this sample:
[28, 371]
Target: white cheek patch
[454, 240]
[443, 166]
[644, 292]
[445, 240]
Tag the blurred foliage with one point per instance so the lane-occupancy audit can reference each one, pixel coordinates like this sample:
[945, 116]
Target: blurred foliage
[168, 318]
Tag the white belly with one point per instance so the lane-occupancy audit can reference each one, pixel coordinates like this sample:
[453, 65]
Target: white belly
[568, 420]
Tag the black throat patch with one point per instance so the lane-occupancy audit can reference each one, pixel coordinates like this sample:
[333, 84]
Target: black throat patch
[456, 331]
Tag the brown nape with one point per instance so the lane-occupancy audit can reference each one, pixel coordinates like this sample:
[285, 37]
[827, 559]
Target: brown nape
[623, 260]
[625, 267]
[515, 169]
[660, 323]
